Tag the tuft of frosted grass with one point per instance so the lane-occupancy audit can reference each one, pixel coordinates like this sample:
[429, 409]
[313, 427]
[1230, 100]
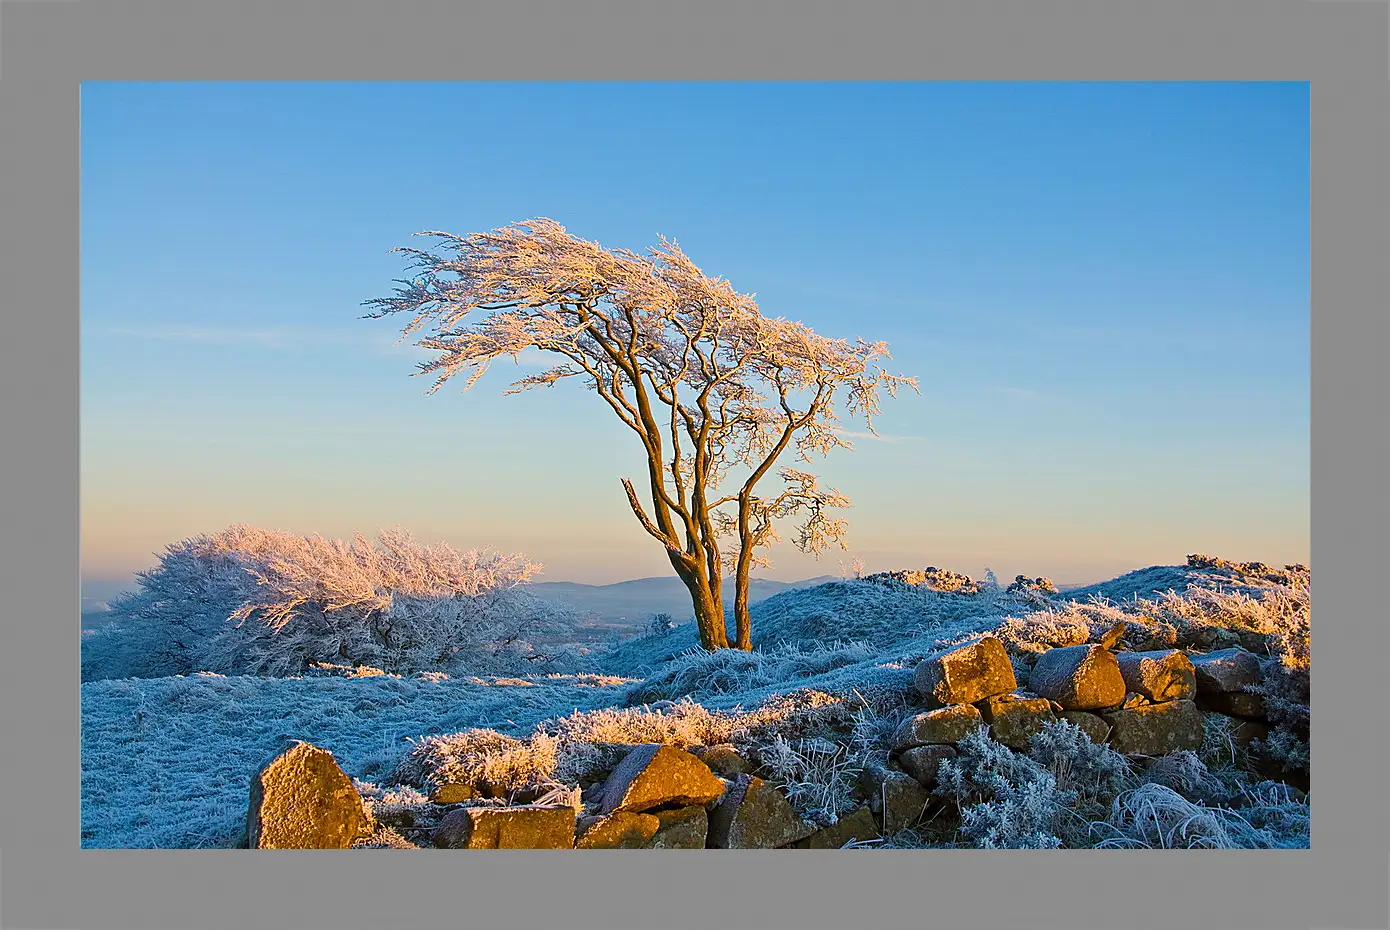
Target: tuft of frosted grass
[1155, 816]
[731, 671]
[816, 775]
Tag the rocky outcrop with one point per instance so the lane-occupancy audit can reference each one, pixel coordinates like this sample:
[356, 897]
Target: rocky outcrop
[301, 799]
[521, 827]
[966, 674]
[655, 775]
[754, 815]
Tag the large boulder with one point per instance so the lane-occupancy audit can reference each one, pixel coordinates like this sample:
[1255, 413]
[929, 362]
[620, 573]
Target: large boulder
[1156, 729]
[1078, 677]
[1161, 675]
[301, 799]
[1013, 719]
[966, 674]
[941, 727]
[922, 763]
[656, 775]
[897, 797]
[1226, 671]
[623, 830]
[856, 826]
[521, 827]
[754, 815]
[683, 828]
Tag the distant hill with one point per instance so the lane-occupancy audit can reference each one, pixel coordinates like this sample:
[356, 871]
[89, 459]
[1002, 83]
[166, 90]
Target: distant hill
[630, 603]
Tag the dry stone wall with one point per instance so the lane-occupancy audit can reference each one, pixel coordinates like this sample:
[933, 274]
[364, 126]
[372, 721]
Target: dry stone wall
[1142, 703]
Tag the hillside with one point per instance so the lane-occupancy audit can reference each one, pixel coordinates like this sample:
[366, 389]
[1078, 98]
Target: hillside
[630, 603]
[167, 761]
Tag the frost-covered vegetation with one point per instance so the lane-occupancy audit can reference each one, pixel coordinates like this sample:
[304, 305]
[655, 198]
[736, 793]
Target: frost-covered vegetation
[253, 601]
[166, 761]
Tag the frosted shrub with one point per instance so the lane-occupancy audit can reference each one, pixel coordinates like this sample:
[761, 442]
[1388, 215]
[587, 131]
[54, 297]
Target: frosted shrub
[660, 625]
[1007, 800]
[1093, 772]
[254, 601]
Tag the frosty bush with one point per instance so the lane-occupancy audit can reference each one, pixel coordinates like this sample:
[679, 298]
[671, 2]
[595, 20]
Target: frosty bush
[262, 602]
[1007, 800]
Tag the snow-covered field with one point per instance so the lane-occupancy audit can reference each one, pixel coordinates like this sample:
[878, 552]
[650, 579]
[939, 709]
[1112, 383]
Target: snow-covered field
[166, 762]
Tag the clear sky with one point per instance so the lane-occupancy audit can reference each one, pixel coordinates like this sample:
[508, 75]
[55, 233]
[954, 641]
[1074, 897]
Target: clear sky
[1103, 289]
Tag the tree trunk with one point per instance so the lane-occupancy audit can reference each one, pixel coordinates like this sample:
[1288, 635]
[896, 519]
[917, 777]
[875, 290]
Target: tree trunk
[742, 638]
[709, 612]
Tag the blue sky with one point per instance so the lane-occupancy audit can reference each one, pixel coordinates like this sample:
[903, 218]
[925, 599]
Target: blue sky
[1103, 289]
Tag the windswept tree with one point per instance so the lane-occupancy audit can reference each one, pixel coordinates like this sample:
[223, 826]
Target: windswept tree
[715, 391]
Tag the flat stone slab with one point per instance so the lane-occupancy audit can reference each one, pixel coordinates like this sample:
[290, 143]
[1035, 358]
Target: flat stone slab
[655, 775]
[1078, 677]
[754, 815]
[1161, 675]
[301, 799]
[623, 830]
[522, 827]
[966, 674]
[942, 727]
[1156, 729]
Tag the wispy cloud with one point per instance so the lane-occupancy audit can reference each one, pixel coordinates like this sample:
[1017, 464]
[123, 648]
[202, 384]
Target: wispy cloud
[891, 438]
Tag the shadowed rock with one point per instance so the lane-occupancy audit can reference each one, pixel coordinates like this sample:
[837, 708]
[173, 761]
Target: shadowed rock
[966, 674]
[1097, 730]
[754, 815]
[1226, 671]
[1013, 720]
[655, 775]
[857, 826]
[1078, 678]
[1163, 675]
[896, 797]
[922, 762]
[301, 799]
[1156, 729]
[725, 760]
[525, 827]
[1235, 704]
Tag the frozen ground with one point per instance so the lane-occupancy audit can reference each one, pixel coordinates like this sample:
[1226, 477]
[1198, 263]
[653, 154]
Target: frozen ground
[166, 762]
